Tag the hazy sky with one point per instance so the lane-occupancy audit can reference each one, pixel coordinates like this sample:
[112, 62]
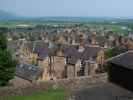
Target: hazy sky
[108, 8]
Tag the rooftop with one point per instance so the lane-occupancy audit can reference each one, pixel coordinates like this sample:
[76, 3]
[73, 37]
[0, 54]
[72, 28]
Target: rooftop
[28, 72]
[124, 60]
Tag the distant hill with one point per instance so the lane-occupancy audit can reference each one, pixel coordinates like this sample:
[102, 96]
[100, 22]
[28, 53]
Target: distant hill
[4, 15]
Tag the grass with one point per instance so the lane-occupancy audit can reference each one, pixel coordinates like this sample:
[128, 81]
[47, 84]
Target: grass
[50, 94]
[12, 24]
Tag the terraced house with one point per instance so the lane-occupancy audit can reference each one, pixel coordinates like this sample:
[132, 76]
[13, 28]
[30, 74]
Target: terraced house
[59, 61]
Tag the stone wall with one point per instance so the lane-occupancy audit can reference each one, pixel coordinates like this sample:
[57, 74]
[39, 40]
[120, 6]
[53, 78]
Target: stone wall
[82, 82]
[71, 83]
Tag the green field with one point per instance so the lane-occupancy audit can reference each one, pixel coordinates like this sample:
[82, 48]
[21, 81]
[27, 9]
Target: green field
[12, 24]
[51, 94]
[91, 24]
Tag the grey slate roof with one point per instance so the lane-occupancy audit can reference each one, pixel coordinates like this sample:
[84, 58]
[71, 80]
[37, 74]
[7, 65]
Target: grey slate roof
[38, 47]
[28, 72]
[124, 60]
[90, 52]
[41, 49]
[101, 40]
[13, 46]
[72, 54]
[29, 45]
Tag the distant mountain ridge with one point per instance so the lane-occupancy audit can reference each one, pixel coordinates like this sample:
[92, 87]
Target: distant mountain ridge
[4, 15]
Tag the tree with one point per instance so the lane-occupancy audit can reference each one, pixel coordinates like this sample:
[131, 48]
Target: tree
[7, 64]
[115, 51]
[3, 42]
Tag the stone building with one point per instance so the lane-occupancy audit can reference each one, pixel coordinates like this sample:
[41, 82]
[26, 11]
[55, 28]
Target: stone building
[83, 61]
[60, 60]
[29, 72]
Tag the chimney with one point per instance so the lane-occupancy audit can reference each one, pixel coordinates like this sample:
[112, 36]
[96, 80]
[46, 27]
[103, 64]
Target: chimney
[81, 46]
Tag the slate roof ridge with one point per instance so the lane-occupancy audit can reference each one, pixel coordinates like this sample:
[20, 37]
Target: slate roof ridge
[110, 59]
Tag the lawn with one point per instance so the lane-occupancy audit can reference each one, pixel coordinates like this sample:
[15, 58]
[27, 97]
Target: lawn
[51, 94]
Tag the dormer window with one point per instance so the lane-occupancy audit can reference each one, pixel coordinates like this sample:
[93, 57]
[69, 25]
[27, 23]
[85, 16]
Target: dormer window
[30, 68]
[81, 49]
[91, 59]
[65, 61]
[80, 64]
[21, 66]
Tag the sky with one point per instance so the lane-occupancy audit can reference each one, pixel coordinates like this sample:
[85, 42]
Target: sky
[84, 8]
